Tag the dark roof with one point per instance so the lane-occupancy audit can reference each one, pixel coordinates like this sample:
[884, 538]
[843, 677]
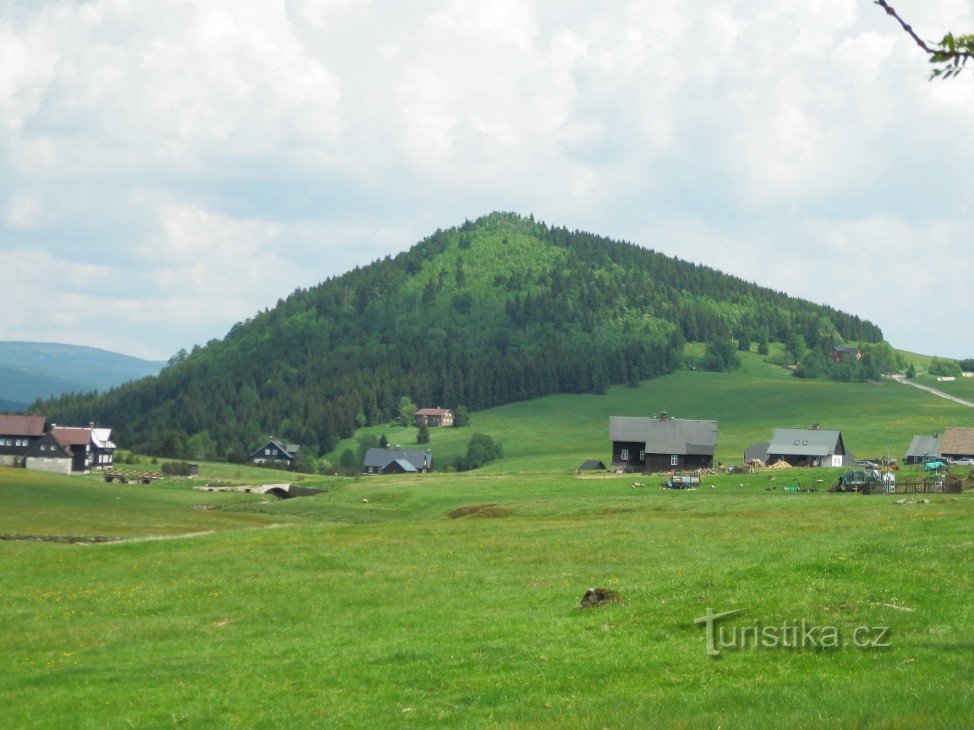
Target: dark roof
[924, 446]
[22, 425]
[804, 442]
[957, 440]
[433, 412]
[291, 449]
[403, 465]
[50, 439]
[757, 450]
[381, 458]
[592, 465]
[666, 435]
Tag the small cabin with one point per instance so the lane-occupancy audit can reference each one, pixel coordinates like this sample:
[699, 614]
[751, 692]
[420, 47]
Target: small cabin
[437, 417]
[275, 453]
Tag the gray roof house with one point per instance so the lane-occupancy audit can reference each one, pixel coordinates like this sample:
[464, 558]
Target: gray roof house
[807, 447]
[274, 452]
[661, 444]
[397, 461]
[923, 447]
[757, 450]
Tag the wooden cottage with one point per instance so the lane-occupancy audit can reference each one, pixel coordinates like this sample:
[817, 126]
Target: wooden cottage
[440, 417]
[838, 354]
[661, 444]
[274, 453]
[957, 443]
[18, 433]
[397, 461]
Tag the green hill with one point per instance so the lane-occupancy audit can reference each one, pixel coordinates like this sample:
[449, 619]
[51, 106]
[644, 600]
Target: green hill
[500, 310]
[32, 370]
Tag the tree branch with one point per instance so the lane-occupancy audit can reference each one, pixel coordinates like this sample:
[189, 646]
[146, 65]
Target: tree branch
[954, 52]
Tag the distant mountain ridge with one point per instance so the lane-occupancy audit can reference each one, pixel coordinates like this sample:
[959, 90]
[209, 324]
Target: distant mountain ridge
[32, 370]
[497, 310]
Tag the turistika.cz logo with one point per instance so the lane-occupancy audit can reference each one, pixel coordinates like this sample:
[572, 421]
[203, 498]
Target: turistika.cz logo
[790, 634]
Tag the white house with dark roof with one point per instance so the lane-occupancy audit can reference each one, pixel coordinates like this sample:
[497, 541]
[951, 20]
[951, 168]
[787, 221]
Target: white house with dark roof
[807, 447]
[274, 453]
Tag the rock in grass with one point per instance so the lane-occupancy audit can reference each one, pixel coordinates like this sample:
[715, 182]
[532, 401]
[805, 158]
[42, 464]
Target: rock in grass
[598, 597]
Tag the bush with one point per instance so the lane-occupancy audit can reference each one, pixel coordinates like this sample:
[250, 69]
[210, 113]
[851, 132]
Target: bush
[944, 367]
[721, 355]
[423, 435]
[967, 365]
[481, 450]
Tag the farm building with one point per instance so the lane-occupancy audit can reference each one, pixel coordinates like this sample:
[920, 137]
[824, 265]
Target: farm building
[808, 447]
[838, 354]
[592, 465]
[923, 448]
[957, 443]
[397, 461]
[17, 434]
[55, 453]
[275, 453]
[757, 451]
[433, 417]
[661, 444]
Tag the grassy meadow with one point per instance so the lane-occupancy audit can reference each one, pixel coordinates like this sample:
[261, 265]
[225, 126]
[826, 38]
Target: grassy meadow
[451, 599]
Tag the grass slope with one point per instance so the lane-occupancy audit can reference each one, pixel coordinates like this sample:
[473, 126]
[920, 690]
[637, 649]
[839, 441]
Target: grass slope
[558, 432]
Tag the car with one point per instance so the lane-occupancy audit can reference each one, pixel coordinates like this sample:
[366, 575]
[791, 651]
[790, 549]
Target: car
[867, 463]
[966, 461]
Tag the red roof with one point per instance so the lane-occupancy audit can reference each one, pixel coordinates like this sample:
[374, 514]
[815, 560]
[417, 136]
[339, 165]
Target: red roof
[67, 436]
[29, 425]
[433, 412]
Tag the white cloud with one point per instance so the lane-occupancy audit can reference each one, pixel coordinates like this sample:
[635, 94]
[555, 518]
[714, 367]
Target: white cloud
[214, 155]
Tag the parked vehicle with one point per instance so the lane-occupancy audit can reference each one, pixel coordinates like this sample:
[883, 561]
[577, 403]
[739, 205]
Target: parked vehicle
[966, 461]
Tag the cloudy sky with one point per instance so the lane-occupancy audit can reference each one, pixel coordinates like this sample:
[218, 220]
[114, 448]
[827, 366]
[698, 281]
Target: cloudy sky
[167, 169]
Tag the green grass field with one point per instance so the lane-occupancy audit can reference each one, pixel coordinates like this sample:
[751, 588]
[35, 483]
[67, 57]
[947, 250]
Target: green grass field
[370, 606]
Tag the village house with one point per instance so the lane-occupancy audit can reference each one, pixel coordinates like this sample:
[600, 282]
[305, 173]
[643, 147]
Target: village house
[957, 443]
[71, 450]
[397, 461]
[441, 417]
[661, 444]
[923, 448]
[274, 453]
[17, 434]
[808, 447]
[839, 354]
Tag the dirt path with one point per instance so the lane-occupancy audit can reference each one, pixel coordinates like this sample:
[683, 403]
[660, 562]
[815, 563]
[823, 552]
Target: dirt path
[938, 393]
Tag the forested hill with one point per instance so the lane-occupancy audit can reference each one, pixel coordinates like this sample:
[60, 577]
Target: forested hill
[497, 310]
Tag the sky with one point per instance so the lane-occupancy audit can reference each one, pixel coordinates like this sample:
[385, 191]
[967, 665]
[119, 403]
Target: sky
[169, 169]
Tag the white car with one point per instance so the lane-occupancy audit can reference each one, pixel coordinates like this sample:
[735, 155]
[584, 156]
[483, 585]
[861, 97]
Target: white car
[967, 461]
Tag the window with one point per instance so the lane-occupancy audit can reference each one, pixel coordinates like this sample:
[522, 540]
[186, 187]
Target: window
[674, 459]
[642, 455]
[624, 454]
[267, 452]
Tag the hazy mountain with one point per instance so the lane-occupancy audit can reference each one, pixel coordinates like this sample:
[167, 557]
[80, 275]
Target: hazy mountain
[32, 370]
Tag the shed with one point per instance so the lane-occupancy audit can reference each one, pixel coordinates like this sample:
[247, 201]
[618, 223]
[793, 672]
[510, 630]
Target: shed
[592, 465]
[923, 447]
